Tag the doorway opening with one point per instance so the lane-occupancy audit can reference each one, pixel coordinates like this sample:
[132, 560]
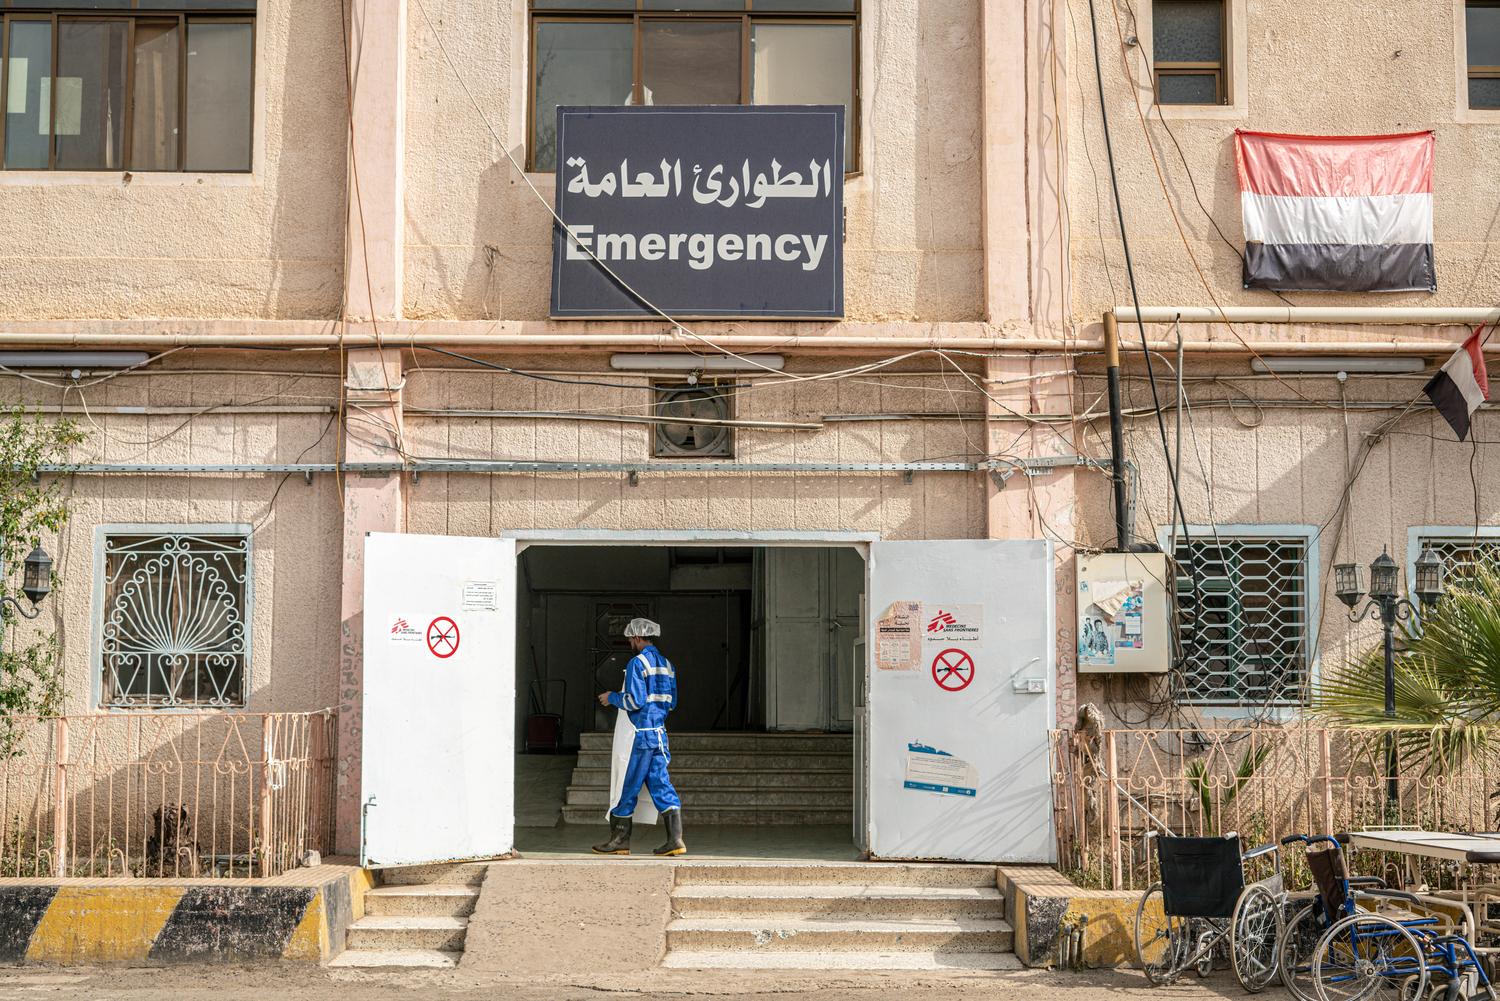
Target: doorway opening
[766, 643]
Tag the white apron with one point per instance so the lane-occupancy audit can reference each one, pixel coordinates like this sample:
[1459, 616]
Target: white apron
[619, 760]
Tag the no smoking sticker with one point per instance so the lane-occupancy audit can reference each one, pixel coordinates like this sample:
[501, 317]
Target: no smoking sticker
[953, 670]
[442, 637]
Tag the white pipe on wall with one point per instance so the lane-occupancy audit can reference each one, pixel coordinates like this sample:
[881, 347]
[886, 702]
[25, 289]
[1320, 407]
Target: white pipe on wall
[1463, 315]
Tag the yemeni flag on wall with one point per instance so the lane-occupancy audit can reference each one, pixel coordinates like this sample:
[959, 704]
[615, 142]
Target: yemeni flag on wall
[1461, 385]
[1337, 213]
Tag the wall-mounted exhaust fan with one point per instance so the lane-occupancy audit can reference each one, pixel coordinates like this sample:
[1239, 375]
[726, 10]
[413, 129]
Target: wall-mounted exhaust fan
[695, 413]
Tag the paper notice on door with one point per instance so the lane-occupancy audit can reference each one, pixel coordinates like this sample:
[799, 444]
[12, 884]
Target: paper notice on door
[481, 595]
[931, 770]
[898, 641]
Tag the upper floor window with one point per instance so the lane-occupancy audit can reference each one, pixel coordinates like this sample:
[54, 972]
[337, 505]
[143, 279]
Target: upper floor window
[605, 52]
[1463, 552]
[1482, 41]
[175, 623]
[163, 90]
[1187, 49]
[1243, 618]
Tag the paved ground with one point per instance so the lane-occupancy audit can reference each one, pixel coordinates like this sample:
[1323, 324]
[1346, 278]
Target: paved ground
[304, 984]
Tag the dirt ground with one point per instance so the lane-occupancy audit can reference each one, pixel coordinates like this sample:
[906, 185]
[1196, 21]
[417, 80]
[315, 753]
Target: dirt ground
[312, 984]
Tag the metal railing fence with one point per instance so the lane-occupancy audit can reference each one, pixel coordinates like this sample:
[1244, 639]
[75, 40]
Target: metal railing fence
[165, 794]
[1112, 786]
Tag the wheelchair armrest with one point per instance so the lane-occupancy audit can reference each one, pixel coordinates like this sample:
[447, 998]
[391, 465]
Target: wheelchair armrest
[1262, 850]
[1366, 881]
[1410, 898]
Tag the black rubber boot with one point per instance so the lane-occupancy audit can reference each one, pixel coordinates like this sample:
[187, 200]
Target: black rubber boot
[674, 845]
[619, 837]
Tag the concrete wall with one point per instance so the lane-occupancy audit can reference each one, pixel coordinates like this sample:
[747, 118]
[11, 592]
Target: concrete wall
[1320, 67]
[295, 549]
[268, 244]
[933, 505]
[478, 240]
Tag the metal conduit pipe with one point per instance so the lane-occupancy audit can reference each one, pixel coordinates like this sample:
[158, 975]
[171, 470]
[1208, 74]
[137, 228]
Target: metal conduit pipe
[1464, 315]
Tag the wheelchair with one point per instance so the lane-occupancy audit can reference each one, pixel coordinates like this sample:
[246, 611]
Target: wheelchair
[1362, 951]
[1203, 906]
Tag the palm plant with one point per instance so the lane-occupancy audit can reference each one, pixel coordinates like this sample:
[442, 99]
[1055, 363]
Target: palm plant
[1447, 679]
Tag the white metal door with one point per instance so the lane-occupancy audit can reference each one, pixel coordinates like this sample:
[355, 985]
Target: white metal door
[439, 698]
[961, 661]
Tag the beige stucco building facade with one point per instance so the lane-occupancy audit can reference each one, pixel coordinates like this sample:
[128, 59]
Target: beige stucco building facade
[289, 312]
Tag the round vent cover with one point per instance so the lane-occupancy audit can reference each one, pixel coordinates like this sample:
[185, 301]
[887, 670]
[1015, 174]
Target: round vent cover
[689, 404]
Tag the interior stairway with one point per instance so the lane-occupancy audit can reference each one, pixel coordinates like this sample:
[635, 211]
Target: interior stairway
[734, 778]
[417, 917]
[838, 916]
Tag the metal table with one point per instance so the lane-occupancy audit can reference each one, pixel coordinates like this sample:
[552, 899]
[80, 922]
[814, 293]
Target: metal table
[1482, 848]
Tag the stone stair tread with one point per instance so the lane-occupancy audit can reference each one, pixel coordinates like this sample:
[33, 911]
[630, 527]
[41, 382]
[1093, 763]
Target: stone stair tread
[815, 924]
[437, 959]
[398, 922]
[836, 891]
[850, 960]
[424, 890]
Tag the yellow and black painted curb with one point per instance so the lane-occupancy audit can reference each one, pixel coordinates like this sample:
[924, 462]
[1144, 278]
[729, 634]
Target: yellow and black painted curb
[72, 924]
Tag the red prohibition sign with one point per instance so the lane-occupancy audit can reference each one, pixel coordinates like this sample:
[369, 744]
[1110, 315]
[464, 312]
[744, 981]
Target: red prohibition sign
[442, 637]
[953, 669]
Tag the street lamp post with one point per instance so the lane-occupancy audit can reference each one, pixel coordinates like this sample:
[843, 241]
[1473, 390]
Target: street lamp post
[1389, 608]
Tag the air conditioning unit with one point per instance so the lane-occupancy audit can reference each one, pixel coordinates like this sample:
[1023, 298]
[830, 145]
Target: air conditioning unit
[1124, 609]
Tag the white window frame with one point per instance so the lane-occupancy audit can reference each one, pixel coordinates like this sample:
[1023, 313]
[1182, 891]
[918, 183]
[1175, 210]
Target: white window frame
[1312, 569]
[1236, 60]
[98, 611]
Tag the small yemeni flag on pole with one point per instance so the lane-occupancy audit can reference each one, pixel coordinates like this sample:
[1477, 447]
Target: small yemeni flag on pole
[1337, 213]
[1461, 385]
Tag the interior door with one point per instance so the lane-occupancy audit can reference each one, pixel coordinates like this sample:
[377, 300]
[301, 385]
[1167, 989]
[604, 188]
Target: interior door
[961, 662]
[439, 698]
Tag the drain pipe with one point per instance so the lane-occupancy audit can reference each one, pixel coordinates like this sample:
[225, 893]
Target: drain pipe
[1116, 433]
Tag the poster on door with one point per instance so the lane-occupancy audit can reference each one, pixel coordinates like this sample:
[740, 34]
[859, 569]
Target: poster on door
[898, 637]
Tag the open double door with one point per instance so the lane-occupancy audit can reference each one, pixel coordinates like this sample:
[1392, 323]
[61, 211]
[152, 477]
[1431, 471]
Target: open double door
[951, 722]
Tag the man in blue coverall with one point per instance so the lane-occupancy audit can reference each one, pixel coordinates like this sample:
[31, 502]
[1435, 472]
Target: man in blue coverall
[649, 694]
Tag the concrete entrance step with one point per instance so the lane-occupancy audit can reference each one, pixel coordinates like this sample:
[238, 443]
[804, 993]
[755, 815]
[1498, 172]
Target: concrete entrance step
[466, 873]
[780, 742]
[848, 960]
[741, 797]
[382, 959]
[431, 932]
[712, 816]
[739, 760]
[684, 777]
[841, 900]
[422, 899]
[833, 935]
[868, 874]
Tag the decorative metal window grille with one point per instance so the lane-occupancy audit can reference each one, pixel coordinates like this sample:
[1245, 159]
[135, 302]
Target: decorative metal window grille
[1242, 620]
[175, 631]
[1461, 555]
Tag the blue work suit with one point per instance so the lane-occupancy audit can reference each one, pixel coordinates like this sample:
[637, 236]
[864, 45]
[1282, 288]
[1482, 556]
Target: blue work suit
[649, 694]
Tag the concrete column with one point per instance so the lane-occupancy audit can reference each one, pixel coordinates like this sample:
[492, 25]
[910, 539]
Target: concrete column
[372, 381]
[1040, 506]
[377, 52]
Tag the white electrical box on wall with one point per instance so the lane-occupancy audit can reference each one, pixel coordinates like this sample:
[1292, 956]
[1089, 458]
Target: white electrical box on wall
[1123, 609]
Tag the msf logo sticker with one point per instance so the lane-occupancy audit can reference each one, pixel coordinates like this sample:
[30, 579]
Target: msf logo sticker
[953, 623]
[403, 632]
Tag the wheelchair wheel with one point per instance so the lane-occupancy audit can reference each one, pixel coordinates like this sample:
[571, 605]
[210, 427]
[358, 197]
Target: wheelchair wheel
[1162, 944]
[1254, 933]
[1363, 953]
[1295, 951]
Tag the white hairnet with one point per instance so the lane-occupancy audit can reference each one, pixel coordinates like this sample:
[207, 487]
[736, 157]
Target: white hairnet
[642, 627]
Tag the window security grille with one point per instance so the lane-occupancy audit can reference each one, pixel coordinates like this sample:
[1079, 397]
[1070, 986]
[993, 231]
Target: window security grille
[1461, 555]
[175, 632]
[1242, 620]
